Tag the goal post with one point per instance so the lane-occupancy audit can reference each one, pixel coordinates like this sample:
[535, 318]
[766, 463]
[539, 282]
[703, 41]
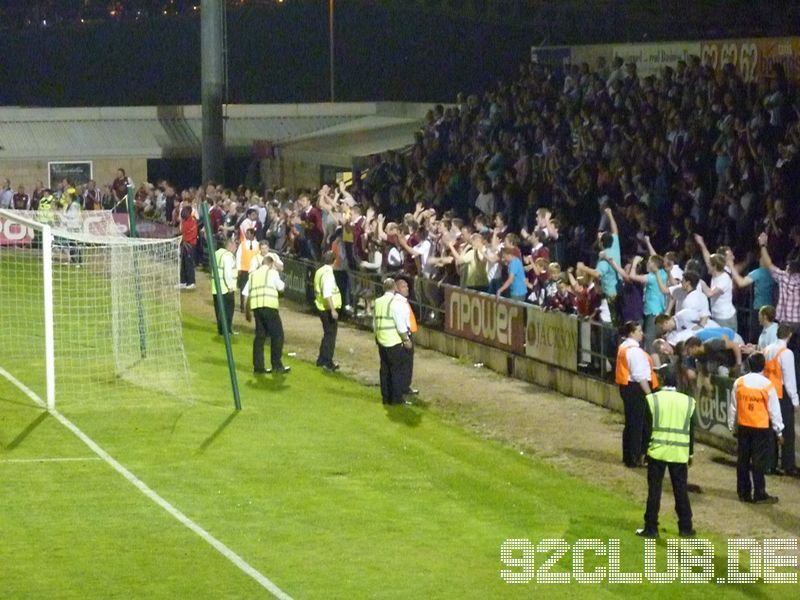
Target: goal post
[89, 313]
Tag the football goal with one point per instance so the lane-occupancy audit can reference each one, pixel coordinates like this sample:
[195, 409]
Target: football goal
[87, 313]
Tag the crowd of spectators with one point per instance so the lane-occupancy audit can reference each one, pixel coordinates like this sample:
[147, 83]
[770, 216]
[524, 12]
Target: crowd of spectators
[591, 191]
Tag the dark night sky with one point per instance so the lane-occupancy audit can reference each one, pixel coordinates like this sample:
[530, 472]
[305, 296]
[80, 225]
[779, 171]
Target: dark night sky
[385, 50]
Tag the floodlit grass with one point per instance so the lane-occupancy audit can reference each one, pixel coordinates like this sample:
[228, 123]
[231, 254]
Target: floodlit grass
[313, 483]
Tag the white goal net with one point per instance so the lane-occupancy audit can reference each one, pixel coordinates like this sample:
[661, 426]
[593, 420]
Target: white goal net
[87, 313]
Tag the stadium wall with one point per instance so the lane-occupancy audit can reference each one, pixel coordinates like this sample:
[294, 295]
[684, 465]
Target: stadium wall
[564, 381]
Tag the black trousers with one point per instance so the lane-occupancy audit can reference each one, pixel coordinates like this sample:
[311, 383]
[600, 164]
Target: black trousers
[752, 460]
[678, 474]
[342, 279]
[636, 433]
[229, 301]
[268, 324]
[241, 281]
[187, 264]
[783, 456]
[409, 368]
[394, 373]
[328, 344]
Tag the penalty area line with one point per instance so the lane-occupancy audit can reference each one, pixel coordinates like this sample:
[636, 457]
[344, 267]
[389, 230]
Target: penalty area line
[234, 558]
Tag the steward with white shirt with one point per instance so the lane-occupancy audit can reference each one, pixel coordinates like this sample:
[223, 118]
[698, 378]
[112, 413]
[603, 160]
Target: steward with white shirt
[411, 323]
[390, 324]
[262, 290]
[754, 408]
[636, 377]
[779, 368]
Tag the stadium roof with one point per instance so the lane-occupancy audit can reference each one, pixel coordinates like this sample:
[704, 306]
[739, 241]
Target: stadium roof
[339, 133]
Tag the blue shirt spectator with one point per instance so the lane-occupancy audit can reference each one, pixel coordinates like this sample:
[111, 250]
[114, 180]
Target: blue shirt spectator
[763, 287]
[518, 288]
[654, 301]
[711, 333]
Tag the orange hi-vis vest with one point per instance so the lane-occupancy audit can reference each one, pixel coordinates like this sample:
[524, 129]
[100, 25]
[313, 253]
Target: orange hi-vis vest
[623, 373]
[247, 250]
[412, 319]
[752, 405]
[772, 371]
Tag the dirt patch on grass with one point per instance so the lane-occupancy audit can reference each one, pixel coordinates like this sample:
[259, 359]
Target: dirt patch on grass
[575, 436]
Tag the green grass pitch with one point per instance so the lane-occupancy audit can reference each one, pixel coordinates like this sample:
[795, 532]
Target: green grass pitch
[314, 484]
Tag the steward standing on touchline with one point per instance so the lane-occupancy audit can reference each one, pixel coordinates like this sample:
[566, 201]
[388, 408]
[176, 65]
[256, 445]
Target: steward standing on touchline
[226, 265]
[328, 301]
[262, 290]
[389, 322]
[636, 377]
[779, 369]
[753, 407]
[670, 448]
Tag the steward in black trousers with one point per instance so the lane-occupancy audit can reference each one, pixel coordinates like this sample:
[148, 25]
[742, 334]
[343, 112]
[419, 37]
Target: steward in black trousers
[670, 448]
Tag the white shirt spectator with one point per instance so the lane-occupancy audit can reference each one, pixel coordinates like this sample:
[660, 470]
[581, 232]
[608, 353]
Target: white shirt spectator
[768, 336]
[485, 203]
[395, 258]
[679, 295]
[256, 261]
[373, 265]
[676, 273]
[6, 198]
[424, 248]
[722, 305]
[697, 301]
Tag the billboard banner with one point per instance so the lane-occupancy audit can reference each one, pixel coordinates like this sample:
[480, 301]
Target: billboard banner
[485, 319]
[12, 233]
[552, 56]
[297, 276]
[552, 337]
[754, 57]
[651, 58]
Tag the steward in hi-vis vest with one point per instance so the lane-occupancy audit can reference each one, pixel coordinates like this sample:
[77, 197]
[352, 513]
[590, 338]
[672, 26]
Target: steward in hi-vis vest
[226, 265]
[262, 291]
[390, 324]
[636, 377]
[670, 448]
[328, 301]
[753, 409]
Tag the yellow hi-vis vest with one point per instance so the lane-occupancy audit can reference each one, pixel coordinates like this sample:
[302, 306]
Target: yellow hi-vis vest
[672, 417]
[263, 293]
[383, 323]
[220, 255]
[319, 301]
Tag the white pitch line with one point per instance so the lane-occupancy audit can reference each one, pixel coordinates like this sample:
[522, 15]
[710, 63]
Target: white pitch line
[237, 560]
[48, 460]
